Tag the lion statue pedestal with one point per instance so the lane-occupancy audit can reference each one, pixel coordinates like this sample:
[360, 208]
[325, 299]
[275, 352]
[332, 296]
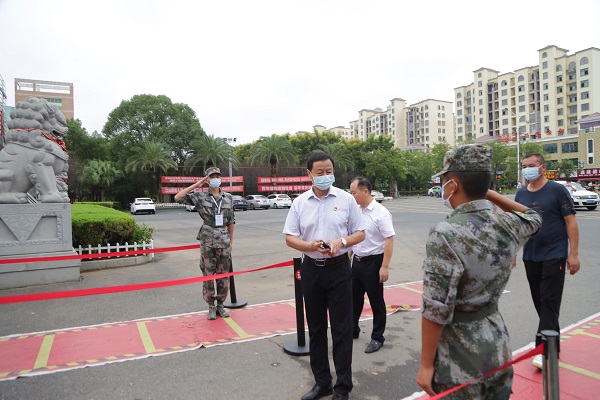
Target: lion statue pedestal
[35, 158]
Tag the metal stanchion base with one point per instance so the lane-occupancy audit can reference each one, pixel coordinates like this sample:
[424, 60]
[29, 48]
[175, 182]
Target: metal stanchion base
[293, 349]
[239, 303]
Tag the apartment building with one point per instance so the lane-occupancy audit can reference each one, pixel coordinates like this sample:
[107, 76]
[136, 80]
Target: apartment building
[57, 93]
[429, 122]
[391, 121]
[3, 115]
[545, 100]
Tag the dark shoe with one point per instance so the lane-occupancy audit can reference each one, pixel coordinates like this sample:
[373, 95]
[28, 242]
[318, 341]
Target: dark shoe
[373, 346]
[317, 392]
[355, 335]
[222, 311]
[339, 396]
[212, 313]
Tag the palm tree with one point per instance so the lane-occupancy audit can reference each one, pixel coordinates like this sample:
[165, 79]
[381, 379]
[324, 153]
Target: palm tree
[100, 174]
[210, 150]
[274, 150]
[340, 154]
[151, 156]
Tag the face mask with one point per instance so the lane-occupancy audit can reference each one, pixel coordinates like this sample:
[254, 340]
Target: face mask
[214, 182]
[531, 173]
[447, 201]
[323, 182]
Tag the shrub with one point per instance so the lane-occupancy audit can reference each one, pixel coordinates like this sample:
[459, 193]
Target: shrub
[142, 234]
[94, 224]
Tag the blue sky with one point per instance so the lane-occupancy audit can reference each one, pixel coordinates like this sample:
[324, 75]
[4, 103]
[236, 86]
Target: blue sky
[253, 68]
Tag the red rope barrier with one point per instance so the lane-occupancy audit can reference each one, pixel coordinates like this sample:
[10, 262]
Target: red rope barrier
[23, 298]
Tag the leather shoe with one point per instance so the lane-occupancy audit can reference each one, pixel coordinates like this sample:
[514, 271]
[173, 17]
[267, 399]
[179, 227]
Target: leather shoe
[373, 346]
[339, 396]
[317, 392]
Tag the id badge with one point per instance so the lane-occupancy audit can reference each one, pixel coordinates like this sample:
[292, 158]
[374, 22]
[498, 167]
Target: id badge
[219, 220]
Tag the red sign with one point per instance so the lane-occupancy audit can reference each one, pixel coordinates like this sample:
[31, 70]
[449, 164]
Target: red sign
[175, 190]
[284, 188]
[283, 179]
[589, 172]
[551, 174]
[194, 179]
[298, 276]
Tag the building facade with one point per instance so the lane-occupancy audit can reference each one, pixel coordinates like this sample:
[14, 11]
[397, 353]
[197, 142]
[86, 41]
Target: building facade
[429, 122]
[545, 100]
[58, 93]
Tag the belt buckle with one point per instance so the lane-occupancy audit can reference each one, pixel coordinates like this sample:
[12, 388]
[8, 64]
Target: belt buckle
[320, 262]
[357, 258]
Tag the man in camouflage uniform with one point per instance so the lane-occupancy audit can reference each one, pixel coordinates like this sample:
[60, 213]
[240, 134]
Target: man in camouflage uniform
[468, 263]
[216, 235]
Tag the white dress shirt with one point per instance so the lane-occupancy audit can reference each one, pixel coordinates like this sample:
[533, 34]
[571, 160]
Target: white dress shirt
[379, 226]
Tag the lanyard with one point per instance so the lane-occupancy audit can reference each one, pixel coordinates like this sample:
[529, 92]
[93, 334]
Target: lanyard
[217, 204]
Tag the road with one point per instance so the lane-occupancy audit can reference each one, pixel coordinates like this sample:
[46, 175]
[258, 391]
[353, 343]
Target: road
[260, 369]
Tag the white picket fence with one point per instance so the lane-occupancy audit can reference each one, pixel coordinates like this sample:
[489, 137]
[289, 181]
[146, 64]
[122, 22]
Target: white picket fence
[116, 247]
[168, 205]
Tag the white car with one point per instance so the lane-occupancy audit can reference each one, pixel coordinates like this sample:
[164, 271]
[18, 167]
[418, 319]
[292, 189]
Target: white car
[581, 196]
[279, 200]
[190, 208]
[143, 204]
[378, 196]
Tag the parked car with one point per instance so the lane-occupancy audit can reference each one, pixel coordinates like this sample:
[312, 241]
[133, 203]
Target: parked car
[190, 208]
[143, 204]
[239, 203]
[258, 201]
[294, 196]
[279, 200]
[378, 196]
[581, 196]
[435, 191]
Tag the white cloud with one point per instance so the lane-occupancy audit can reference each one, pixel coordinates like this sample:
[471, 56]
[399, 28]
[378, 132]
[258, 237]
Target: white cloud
[255, 68]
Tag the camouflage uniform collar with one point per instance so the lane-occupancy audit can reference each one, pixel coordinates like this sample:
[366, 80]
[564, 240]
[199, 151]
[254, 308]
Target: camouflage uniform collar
[471, 206]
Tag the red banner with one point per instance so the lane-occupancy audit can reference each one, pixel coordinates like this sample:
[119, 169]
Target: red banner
[283, 179]
[591, 172]
[175, 190]
[194, 179]
[283, 188]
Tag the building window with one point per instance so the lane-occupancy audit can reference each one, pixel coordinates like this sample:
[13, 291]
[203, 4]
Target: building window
[480, 111]
[572, 87]
[459, 130]
[479, 84]
[504, 102]
[504, 131]
[521, 88]
[585, 95]
[559, 111]
[459, 112]
[546, 97]
[481, 92]
[521, 98]
[545, 65]
[561, 122]
[583, 72]
[546, 119]
[559, 100]
[505, 121]
[503, 83]
[459, 121]
[504, 92]
[546, 107]
[572, 99]
[521, 108]
[573, 121]
[571, 66]
[544, 55]
[56, 102]
[590, 145]
[545, 86]
[585, 107]
[573, 110]
[559, 89]
[559, 78]
[559, 67]
[458, 95]
[551, 148]
[570, 147]
[585, 83]
[459, 104]
[521, 78]
[545, 75]
[583, 61]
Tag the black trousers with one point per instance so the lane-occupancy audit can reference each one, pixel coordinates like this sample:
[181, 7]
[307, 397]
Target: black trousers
[365, 279]
[546, 282]
[329, 288]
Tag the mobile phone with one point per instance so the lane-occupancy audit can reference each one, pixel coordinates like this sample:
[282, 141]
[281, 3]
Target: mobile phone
[325, 245]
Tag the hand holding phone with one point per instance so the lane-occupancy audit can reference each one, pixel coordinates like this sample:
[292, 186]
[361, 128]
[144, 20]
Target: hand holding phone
[325, 245]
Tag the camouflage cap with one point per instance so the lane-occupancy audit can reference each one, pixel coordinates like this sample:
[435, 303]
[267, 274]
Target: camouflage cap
[467, 158]
[212, 170]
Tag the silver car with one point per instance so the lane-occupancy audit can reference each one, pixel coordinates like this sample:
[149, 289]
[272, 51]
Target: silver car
[280, 200]
[258, 201]
[378, 196]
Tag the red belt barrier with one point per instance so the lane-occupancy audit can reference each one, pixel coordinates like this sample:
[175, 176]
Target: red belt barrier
[128, 288]
[98, 255]
[529, 354]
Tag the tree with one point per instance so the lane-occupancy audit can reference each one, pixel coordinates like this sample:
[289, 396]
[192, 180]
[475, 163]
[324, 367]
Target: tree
[273, 150]
[340, 154]
[151, 156]
[209, 150]
[306, 143]
[100, 174]
[148, 117]
[565, 168]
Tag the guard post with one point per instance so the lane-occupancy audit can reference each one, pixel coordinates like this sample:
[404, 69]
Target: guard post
[235, 302]
[550, 365]
[300, 346]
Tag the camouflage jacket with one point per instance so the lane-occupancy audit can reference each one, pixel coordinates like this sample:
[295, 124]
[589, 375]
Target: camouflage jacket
[209, 234]
[467, 265]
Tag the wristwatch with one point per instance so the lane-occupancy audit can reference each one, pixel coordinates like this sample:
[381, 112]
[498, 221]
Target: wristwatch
[344, 243]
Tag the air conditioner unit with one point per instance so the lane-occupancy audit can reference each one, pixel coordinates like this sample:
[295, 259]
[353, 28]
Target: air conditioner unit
[579, 164]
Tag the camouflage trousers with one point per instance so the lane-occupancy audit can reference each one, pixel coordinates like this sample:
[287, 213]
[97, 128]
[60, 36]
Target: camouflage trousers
[214, 261]
[495, 387]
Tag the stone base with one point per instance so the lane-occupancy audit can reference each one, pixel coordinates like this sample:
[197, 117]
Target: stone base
[36, 230]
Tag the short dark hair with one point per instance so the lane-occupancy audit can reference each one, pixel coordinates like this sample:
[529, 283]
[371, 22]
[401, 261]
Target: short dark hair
[475, 183]
[540, 157]
[318, 156]
[362, 183]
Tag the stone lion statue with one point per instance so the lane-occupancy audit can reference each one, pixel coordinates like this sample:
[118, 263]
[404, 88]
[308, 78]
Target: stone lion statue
[35, 155]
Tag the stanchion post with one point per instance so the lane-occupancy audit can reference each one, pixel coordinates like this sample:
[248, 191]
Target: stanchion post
[550, 365]
[235, 302]
[298, 347]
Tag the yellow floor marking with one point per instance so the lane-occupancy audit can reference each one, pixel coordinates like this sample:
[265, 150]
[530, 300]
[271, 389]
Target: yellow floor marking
[292, 303]
[412, 290]
[579, 370]
[241, 333]
[146, 339]
[590, 335]
[42, 359]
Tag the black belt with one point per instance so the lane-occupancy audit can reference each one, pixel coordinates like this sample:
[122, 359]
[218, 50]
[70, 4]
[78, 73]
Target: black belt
[367, 258]
[325, 262]
[463, 316]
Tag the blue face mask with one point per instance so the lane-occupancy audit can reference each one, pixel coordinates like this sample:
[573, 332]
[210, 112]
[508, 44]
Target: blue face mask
[447, 201]
[531, 173]
[323, 182]
[214, 182]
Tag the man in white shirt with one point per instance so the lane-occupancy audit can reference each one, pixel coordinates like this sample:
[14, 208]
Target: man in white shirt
[324, 223]
[371, 261]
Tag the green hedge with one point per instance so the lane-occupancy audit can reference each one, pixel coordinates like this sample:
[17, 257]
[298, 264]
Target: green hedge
[110, 204]
[96, 224]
